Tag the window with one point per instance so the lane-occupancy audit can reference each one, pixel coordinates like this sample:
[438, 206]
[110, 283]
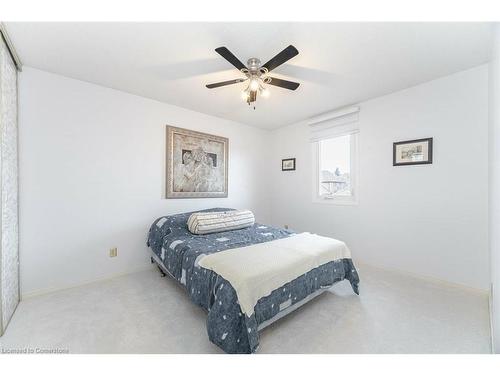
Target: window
[336, 169]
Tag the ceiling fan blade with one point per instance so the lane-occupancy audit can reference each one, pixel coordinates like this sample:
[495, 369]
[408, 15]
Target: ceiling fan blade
[225, 83]
[281, 58]
[228, 55]
[284, 83]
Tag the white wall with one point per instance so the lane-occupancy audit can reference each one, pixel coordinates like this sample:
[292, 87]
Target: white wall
[430, 220]
[92, 172]
[494, 191]
[92, 177]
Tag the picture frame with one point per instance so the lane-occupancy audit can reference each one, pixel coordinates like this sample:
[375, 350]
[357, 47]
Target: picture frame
[413, 152]
[288, 164]
[196, 164]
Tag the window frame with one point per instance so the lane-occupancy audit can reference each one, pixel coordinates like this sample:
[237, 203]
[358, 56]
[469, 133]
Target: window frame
[337, 199]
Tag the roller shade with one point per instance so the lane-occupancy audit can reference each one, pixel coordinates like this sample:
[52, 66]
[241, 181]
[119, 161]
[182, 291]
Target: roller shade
[333, 124]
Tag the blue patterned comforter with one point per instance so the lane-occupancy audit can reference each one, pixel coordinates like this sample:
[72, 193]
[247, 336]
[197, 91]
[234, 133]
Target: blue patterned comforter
[227, 326]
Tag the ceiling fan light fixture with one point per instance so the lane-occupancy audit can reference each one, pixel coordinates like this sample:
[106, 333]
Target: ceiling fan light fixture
[254, 84]
[256, 74]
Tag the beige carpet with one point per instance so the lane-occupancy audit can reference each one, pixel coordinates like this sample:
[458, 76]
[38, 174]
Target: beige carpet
[144, 313]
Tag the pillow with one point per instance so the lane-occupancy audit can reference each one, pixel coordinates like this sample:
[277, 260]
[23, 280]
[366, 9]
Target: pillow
[213, 222]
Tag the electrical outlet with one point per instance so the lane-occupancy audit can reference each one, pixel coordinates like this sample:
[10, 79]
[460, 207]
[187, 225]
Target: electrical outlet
[113, 252]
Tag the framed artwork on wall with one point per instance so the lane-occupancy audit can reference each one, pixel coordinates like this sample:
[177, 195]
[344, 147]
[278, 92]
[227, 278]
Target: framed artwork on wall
[197, 164]
[288, 164]
[417, 151]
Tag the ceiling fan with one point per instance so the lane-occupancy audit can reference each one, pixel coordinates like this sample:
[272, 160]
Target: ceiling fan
[257, 74]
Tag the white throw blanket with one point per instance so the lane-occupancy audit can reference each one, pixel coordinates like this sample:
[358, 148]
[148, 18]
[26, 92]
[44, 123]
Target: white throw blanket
[255, 271]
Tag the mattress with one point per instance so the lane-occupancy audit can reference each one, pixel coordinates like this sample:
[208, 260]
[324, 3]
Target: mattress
[180, 252]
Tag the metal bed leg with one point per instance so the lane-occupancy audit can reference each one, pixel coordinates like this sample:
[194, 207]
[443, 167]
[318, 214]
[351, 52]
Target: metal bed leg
[164, 271]
[163, 274]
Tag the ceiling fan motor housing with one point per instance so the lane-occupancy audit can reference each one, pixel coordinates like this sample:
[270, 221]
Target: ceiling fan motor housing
[253, 65]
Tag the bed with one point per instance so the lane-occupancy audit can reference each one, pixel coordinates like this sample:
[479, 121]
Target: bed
[178, 253]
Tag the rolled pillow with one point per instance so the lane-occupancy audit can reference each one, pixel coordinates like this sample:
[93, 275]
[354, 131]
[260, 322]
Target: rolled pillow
[213, 222]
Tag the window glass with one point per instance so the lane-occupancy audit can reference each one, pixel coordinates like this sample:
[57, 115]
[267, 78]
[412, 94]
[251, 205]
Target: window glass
[335, 166]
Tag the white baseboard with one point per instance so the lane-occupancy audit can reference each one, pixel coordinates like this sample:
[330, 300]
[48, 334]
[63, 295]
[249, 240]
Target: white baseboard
[490, 302]
[40, 292]
[447, 283]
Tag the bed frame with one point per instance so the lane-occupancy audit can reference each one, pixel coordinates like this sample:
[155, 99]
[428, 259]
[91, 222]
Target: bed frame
[264, 324]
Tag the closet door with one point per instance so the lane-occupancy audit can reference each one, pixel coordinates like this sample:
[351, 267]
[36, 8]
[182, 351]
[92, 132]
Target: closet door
[9, 256]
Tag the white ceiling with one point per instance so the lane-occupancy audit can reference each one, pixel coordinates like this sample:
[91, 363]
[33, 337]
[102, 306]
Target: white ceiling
[338, 63]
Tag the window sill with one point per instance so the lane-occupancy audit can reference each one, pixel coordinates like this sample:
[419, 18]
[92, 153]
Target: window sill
[337, 201]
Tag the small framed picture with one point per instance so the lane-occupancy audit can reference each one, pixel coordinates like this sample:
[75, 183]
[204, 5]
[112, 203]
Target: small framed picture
[417, 151]
[288, 164]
